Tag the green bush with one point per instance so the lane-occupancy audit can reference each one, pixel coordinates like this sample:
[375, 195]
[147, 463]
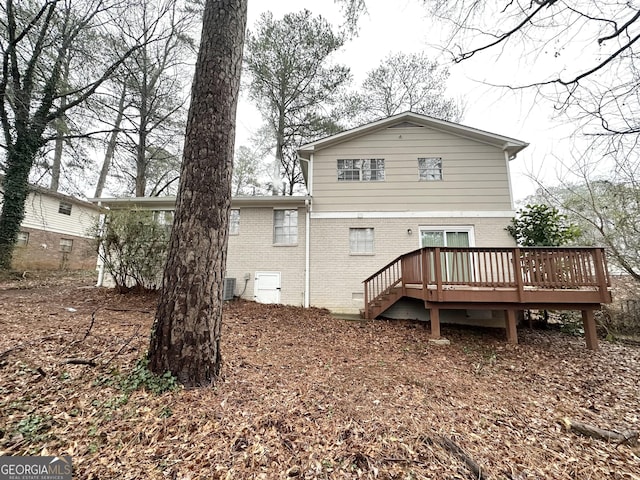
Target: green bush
[542, 225]
[133, 247]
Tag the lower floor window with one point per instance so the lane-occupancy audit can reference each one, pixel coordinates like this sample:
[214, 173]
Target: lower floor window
[66, 245]
[285, 227]
[361, 240]
[23, 239]
[234, 221]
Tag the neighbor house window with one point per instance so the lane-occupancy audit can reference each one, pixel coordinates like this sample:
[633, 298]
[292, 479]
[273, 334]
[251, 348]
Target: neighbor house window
[65, 208]
[430, 168]
[163, 217]
[361, 170]
[285, 227]
[66, 245]
[360, 241]
[23, 239]
[234, 221]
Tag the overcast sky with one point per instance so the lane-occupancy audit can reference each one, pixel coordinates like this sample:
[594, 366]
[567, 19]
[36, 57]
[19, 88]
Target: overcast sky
[404, 26]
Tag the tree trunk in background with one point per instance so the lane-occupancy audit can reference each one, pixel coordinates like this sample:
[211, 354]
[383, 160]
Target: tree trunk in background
[185, 338]
[57, 153]
[61, 130]
[141, 147]
[111, 146]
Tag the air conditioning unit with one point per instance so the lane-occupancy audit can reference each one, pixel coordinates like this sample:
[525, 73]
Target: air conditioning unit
[229, 288]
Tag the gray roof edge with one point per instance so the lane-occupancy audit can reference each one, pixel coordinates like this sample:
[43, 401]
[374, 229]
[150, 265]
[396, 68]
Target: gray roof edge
[169, 202]
[55, 194]
[453, 128]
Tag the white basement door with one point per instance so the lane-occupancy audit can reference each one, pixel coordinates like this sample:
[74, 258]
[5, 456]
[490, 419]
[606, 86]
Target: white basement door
[267, 287]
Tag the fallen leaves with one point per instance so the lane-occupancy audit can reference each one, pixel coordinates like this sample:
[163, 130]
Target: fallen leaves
[305, 395]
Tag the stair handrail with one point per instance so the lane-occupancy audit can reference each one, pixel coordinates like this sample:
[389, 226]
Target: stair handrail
[396, 260]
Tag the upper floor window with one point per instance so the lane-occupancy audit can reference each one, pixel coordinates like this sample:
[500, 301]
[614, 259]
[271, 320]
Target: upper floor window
[365, 170]
[65, 208]
[234, 221]
[23, 239]
[285, 227]
[360, 241]
[430, 168]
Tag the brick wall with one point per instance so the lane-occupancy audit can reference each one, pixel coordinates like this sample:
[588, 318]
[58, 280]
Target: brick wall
[43, 252]
[337, 276]
[252, 250]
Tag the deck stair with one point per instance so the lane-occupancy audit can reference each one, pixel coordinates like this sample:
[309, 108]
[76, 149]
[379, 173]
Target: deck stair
[508, 279]
[385, 300]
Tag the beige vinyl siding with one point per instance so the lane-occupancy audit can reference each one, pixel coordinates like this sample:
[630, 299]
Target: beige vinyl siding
[336, 275]
[475, 175]
[252, 250]
[41, 212]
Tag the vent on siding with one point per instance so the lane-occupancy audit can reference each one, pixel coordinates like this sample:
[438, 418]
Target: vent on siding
[229, 288]
[406, 125]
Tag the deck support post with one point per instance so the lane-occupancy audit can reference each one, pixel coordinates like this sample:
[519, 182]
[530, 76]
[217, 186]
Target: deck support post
[590, 334]
[434, 314]
[510, 326]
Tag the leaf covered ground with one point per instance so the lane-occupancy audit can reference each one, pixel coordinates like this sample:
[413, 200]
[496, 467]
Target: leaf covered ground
[305, 395]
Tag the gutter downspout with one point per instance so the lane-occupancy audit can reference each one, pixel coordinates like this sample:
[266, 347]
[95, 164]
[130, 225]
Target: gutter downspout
[307, 246]
[507, 159]
[100, 281]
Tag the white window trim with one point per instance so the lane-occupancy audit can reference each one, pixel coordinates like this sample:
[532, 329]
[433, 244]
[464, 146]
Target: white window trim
[237, 230]
[24, 241]
[426, 169]
[62, 208]
[373, 242]
[280, 244]
[448, 228]
[65, 248]
[361, 171]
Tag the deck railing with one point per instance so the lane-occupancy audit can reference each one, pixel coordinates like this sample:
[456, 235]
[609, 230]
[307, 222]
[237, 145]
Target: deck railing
[520, 269]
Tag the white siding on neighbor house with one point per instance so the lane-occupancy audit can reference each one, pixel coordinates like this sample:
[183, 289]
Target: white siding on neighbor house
[252, 250]
[337, 275]
[41, 212]
[475, 174]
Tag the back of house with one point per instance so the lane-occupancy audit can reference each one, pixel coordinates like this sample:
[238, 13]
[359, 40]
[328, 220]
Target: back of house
[393, 186]
[373, 193]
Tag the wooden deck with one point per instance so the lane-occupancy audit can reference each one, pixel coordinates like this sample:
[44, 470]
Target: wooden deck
[508, 279]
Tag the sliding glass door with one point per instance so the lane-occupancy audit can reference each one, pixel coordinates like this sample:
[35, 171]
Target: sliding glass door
[455, 265]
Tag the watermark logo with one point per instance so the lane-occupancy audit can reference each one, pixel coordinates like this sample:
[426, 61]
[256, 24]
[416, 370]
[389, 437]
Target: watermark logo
[36, 468]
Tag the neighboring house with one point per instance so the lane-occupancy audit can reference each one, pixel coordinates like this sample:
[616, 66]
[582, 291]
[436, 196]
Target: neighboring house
[55, 232]
[374, 192]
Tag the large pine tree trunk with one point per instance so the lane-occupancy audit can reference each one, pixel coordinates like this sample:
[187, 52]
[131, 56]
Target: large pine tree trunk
[186, 333]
